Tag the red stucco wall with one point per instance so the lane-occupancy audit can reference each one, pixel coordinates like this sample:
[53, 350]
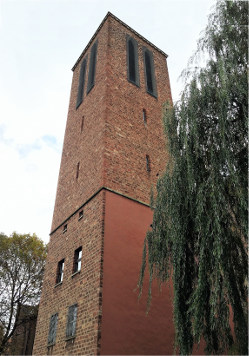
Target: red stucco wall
[125, 327]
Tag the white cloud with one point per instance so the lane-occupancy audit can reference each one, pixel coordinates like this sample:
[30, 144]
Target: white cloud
[40, 40]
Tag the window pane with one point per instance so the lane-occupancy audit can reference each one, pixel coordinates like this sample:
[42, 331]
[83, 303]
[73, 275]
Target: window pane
[71, 320]
[52, 329]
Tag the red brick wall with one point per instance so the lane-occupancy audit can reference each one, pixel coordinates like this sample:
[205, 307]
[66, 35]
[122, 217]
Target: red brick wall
[127, 139]
[84, 288]
[111, 151]
[86, 147]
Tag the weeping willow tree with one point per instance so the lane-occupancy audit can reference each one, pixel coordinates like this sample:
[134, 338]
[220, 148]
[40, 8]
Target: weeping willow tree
[199, 231]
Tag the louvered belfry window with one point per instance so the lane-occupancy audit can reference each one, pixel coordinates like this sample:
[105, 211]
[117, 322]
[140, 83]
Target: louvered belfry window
[149, 73]
[132, 61]
[71, 321]
[52, 329]
[81, 82]
[92, 68]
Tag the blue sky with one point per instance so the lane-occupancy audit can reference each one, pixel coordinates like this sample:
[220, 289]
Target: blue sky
[40, 40]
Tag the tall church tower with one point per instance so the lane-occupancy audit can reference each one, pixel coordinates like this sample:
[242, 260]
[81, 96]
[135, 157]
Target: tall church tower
[113, 153]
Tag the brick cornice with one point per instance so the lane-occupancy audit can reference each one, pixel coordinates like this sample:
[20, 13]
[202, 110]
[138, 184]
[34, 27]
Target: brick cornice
[92, 197]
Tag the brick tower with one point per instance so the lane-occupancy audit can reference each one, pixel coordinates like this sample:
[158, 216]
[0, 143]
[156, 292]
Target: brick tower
[113, 153]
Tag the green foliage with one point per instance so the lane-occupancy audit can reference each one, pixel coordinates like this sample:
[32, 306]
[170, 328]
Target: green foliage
[22, 259]
[199, 232]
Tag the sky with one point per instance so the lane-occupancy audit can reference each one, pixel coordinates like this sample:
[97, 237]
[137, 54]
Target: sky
[40, 41]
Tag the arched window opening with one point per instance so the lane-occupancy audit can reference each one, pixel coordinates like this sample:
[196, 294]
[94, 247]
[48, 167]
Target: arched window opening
[149, 73]
[81, 82]
[132, 61]
[92, 68]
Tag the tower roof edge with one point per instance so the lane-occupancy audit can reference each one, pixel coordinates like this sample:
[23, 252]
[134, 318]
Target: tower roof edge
[109, 14]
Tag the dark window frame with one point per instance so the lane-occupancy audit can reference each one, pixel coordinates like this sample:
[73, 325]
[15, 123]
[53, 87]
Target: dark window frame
[77, 260]
[52, 329]
[136, 80]
[71, 321]
[149, 72]
[60, 271]
[81, 85]
[92, 67]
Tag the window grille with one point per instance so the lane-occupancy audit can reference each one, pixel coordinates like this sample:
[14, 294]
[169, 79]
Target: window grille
[71, 321]
[52, 329]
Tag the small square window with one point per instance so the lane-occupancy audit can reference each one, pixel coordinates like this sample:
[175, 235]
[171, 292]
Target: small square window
[60, 271]
[77, 260]
[71, 321]
[80, 214]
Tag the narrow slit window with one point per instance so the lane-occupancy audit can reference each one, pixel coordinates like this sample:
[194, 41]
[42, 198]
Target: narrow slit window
[81, 83]
[81, 214]
[144, 117]
[82, 123]
[149, 73]
[77, 260]
[64, 228]
[77, 170]
[132, 61]
[60, 271]
[92, 68]
[148, 163]
[52, 329]
[71, 321]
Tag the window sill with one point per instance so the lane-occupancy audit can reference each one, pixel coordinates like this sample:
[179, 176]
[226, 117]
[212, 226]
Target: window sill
[58, 284]
[70, 338]
[50, 345]
[75, 273]
[137, 84]
[152, 94]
